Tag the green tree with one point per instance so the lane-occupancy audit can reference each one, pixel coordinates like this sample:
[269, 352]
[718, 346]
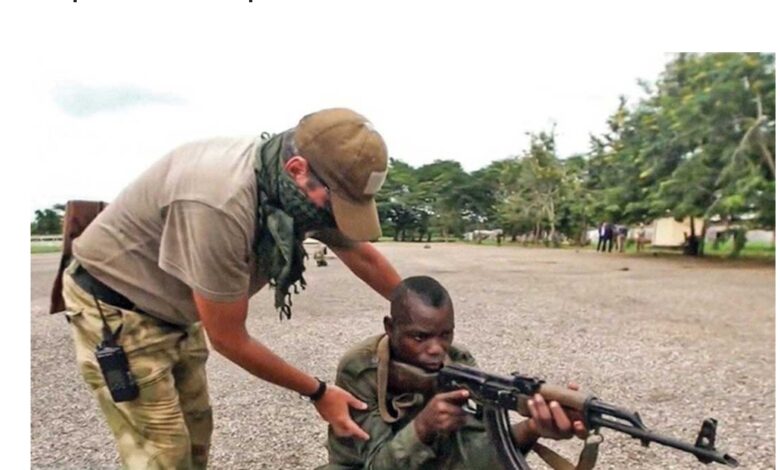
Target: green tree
[396, 201]
[48, 221]
[721, 110]
[575, 205]
[531, 190]
[544, 178]
[442, 185]
[701, 144]
[513, 210]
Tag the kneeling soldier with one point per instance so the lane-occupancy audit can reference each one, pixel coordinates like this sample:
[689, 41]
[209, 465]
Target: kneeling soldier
[411, 429]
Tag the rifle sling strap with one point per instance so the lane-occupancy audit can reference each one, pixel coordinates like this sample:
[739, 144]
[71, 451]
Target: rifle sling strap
[382, 372]
[587, 459]
[395, 408]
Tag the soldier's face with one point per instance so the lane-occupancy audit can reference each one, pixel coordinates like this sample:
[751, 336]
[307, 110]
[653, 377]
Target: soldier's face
[424, 336]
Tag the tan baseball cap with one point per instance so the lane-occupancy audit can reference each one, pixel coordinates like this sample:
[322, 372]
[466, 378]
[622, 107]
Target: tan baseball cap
[344, 149]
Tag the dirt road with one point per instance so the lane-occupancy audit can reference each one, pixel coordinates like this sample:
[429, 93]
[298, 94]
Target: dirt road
[677, 340]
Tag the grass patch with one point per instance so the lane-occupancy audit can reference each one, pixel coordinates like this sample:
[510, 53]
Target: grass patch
[750, 250]
[753, 250]
[36, 249]
[758, 251]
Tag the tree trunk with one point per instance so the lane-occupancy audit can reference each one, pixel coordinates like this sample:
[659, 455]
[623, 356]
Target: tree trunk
[551, 214]
[769, 159]
[693, 226]
[584, 235]
[691, 246]
[703, 239]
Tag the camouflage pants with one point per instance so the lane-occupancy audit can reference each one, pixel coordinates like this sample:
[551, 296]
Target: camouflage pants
[169, 425]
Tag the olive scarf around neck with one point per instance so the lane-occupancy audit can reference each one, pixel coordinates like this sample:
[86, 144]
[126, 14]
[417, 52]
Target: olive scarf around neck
[284, 216]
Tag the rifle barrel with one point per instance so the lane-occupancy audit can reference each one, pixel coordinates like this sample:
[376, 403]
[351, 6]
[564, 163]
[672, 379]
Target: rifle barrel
[704, 455]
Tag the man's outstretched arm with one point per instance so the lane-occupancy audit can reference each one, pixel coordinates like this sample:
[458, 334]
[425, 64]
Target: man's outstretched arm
[225, 324]
[363, 259]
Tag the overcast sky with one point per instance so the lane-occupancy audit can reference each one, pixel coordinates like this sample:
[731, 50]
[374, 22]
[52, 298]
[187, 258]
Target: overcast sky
[117, 86]
[114, 96]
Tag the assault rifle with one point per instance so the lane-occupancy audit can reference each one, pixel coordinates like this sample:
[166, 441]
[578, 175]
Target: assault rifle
[496, 395]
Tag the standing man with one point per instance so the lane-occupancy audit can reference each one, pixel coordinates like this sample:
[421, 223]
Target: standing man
[609, 235]
[184, 247]
[622, 234]
[640, 237]
[602, 237]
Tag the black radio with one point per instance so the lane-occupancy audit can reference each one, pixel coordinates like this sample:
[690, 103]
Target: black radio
[116, 372]
[113, 363]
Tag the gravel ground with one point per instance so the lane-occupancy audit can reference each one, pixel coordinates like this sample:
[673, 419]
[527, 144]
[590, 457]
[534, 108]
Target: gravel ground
[677, 340]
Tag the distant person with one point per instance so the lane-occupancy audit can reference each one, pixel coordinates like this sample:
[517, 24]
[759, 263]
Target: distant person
[606, 234]
[319, 256]
[602, 236]
[640, 237]
[622, 234]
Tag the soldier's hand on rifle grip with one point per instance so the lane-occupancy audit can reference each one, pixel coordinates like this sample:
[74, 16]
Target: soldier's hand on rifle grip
[444, 413]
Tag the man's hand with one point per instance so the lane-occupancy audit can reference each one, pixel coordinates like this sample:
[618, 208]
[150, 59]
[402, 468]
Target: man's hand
[549, 420]
[443, 413]
[334, 408]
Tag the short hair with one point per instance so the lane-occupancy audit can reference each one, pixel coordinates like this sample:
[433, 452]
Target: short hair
[289, 149]
[426, 288]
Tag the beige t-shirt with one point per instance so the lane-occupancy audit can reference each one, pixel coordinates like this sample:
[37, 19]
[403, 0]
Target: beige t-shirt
[186, 224]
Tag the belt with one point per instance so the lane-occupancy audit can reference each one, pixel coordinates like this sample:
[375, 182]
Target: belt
[105, 294]
[109, 296]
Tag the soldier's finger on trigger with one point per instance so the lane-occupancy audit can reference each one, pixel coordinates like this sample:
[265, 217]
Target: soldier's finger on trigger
[455, 396]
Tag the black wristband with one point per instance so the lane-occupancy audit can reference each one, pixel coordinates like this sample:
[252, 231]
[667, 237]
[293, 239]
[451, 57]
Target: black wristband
[319, 392]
